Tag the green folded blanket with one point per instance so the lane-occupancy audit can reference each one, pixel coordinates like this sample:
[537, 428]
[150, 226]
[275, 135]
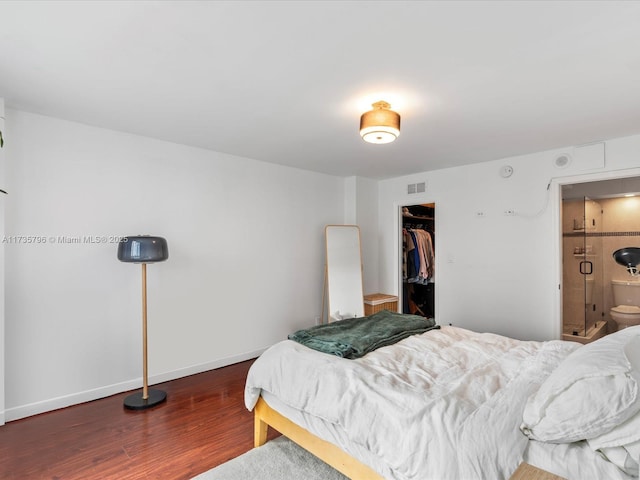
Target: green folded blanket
[355, 337]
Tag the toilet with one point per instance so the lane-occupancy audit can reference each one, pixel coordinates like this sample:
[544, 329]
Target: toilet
[626, 296]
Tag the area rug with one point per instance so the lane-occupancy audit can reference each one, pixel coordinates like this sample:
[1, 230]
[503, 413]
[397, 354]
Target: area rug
[278, 459]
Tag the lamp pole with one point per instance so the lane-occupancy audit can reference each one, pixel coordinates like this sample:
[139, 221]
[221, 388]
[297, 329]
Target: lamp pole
[144, 249]
[145, 370]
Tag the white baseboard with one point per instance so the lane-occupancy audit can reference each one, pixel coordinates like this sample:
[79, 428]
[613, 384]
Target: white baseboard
[185, 372]
[22, 411]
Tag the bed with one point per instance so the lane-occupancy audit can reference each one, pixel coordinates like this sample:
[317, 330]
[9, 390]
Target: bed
[450, 403]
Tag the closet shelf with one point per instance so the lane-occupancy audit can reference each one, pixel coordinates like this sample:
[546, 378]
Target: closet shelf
[417, 217]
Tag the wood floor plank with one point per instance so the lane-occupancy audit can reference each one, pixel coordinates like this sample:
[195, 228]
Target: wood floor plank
[203, 423]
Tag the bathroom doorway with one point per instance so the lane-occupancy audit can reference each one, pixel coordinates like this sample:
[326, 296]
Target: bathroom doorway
[597, 219]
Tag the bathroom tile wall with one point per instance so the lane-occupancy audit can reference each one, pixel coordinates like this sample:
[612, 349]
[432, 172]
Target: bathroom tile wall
[621, 228]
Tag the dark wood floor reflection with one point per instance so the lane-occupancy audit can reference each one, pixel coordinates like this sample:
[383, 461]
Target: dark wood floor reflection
[203, 423]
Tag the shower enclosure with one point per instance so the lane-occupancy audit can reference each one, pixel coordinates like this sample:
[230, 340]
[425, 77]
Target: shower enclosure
[583, 314]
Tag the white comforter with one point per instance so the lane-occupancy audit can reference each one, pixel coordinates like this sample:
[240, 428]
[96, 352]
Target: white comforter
[446, 404]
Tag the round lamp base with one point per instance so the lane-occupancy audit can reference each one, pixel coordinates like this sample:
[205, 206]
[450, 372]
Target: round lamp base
[136, 402]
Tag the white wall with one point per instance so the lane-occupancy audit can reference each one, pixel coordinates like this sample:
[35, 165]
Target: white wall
[2, 202]
[244, 270]
[361, 208]
[494, 272]
[246, 252]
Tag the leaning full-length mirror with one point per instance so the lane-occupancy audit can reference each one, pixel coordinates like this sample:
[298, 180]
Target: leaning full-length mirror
[344, 272]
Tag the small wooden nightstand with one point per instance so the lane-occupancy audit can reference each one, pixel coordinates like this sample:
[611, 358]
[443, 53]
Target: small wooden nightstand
[529, 472]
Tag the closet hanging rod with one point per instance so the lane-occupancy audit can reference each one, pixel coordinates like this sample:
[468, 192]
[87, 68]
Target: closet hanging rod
[419, 226]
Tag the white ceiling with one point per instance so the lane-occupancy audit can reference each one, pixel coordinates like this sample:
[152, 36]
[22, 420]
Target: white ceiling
[286, 81]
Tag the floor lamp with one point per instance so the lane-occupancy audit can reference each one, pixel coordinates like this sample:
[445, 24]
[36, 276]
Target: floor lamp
[143, 249]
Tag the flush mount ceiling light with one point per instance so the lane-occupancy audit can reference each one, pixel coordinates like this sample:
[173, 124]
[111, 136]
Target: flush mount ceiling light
[380, 125]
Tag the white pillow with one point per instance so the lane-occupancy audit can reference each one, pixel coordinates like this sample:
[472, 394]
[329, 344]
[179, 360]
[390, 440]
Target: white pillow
[622, 459]
[629, 430]
[595, 389]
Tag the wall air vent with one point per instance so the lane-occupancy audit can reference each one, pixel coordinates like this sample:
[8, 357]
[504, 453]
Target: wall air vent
[416, 187]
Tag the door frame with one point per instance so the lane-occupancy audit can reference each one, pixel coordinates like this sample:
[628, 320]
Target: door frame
[555, 191]
[398, 249]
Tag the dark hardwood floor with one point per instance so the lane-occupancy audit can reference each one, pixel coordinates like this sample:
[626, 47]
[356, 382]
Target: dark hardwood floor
[203, 423]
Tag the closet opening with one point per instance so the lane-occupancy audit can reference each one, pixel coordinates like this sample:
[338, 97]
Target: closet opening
[417, 295]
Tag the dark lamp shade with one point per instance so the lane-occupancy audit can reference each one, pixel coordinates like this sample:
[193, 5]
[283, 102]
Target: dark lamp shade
[143, 249]
[627, 257]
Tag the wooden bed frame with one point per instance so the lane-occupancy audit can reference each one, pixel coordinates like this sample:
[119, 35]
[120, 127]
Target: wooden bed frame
[266, 417]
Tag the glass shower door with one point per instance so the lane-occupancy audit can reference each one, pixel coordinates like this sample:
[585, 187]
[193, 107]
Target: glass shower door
[591, 266]
[582, 267]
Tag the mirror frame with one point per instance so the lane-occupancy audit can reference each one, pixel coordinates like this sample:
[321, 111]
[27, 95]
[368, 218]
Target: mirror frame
[344, 271]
